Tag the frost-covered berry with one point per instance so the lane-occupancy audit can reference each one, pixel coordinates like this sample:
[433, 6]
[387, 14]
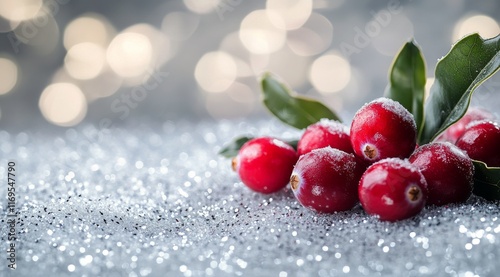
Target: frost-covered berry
[392, 189]
[481, 141]
[326, 180]
[265, 164]
[448, 171]
[383, 129]
[456, 130]
[325, 133]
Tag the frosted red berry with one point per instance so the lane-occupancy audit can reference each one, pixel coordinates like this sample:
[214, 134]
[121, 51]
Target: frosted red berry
[392, 189]
[481, 141]
[457, 129]
[265, 164]
[326, 180]
[448, 171]
[382, 129]
[325, 133]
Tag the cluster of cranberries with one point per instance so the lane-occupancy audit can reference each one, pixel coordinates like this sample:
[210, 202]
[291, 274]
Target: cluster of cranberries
[375, 162]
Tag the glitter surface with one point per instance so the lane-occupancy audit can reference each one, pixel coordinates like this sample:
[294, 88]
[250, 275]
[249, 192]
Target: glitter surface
[159, 201]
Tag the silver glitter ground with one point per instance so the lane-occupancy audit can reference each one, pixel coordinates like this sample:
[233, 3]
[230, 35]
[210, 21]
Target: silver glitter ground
[159, 201]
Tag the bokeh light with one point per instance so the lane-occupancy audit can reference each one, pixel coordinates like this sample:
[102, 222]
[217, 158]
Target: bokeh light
[160, 43]
[259, 35]
[232, 45]
[242, 93]
[6, 25]
[104, 85]
[327, 4]
[9, 75]
[288, 14]
[239, 101]
[330, 73]
[486, 26]
[180, 25]
[334, 101]
[130, 54]
[63, 104]
[314, 37]
[19, 10]
[259, 63]
[61, 75]
[202, 7]
[242, 68]
[289, 67]
[89, 27]
[85, 60]
[40, 32]
[215, 71]
[218, 49]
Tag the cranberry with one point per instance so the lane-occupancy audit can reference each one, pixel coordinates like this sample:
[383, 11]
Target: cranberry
[392, 189]
[265, 164]
[326, 180]
[448, 171]
[325, 133]
[457, 129]
[382, 129]
[481, 141]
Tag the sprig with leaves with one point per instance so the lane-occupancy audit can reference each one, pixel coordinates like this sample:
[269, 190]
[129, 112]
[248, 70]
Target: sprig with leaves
[470, 62]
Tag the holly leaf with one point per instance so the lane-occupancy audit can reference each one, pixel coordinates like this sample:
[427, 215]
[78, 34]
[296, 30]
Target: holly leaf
[407, 80]
[470, 62]
[292, 109]
[486, 181]
[231, 149]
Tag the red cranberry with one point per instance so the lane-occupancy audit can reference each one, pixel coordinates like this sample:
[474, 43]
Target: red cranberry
[481, 141]
[448, 171]
[325, 133]
[265, 164]
[457, 129]
[382, 129]
[326, 180]
[392, 189]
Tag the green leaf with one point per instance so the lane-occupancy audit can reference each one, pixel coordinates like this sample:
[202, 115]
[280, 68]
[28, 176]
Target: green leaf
[294, 110]
[407, 81]
[470, 62]
[231, 149]
[486, 181]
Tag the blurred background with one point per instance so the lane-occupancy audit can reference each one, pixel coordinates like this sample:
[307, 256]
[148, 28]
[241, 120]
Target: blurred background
[65, 62]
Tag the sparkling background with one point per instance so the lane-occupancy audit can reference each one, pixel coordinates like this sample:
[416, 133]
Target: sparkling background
[142, 202]
[65, 62]
[113, 187]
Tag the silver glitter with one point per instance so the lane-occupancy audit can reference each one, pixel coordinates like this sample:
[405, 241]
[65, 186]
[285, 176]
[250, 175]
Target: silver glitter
[161, 202]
